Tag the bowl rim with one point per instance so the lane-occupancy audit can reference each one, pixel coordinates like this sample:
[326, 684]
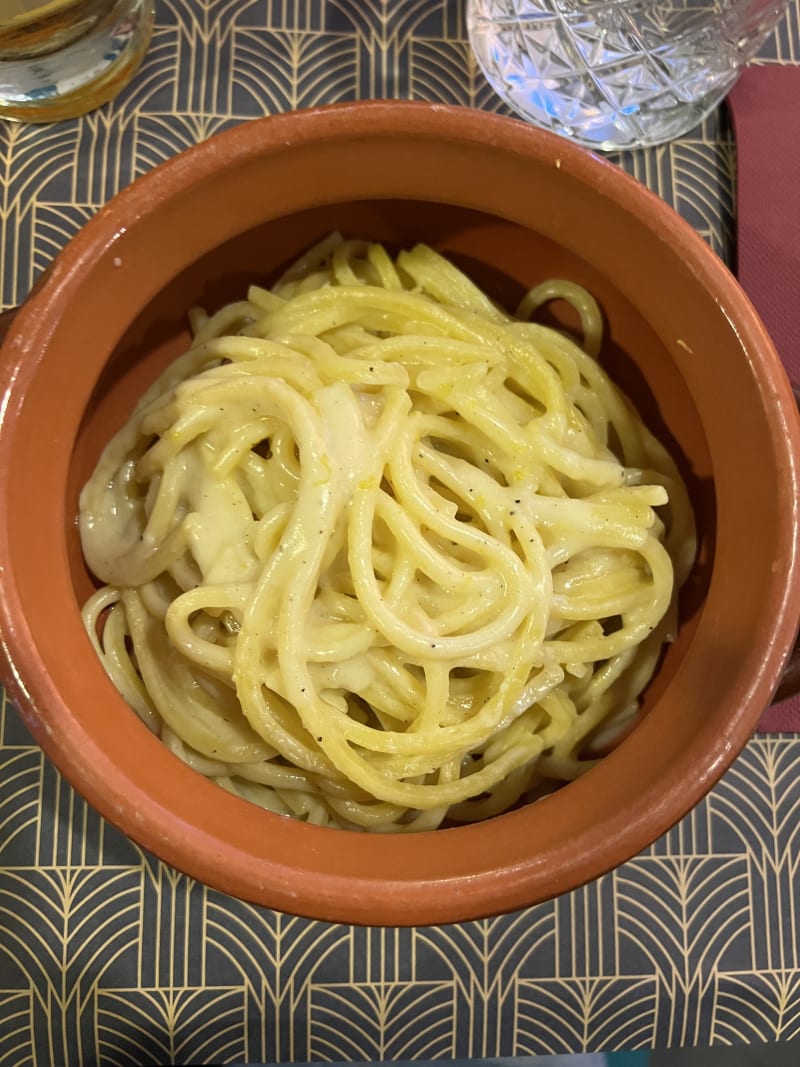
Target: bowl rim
[342, 896]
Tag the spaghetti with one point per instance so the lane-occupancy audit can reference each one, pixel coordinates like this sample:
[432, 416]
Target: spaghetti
[380, 556]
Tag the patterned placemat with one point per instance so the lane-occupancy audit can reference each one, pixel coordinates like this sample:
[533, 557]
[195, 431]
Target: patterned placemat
[109, 957]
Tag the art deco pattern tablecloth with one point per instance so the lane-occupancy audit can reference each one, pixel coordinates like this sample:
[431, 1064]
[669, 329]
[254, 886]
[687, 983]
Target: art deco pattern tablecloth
[109, 957]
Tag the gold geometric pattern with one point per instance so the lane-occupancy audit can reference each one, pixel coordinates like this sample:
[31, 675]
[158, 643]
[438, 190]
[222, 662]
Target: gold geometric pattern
[107, 955]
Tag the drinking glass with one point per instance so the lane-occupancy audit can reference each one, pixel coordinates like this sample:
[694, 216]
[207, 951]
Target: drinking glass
[61, 58]
[615, 74]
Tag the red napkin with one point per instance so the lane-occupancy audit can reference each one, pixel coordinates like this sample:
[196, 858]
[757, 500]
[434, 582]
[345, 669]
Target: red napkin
[765, 105]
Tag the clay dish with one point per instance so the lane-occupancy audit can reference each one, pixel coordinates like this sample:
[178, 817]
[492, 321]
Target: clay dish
[513, 206]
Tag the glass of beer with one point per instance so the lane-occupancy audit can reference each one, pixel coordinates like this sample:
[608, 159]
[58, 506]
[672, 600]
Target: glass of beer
[62, 58]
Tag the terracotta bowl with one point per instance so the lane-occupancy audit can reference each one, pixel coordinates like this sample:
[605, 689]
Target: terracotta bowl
[513, 206]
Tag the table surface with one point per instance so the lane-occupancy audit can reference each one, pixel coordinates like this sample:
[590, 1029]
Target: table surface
[108, 956]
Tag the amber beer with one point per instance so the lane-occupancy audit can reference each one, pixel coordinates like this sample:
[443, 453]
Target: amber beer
[60, 58]
[30, 27]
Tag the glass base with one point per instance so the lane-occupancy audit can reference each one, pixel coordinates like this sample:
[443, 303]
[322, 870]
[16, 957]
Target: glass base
[670, 127]
[80, 76]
